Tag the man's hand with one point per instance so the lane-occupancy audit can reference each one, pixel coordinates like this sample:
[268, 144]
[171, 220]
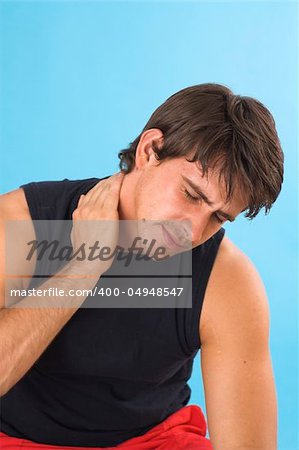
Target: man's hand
[98, 205]
[29, 327]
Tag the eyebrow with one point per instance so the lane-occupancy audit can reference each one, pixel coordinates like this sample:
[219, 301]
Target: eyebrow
[205, 198]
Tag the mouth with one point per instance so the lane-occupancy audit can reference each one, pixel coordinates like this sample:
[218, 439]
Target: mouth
[170, 240]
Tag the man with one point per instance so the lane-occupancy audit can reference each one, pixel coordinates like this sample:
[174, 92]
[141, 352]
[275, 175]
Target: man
[99, 378]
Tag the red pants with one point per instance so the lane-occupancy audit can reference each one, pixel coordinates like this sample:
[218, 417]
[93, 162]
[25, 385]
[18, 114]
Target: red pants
[184, 429]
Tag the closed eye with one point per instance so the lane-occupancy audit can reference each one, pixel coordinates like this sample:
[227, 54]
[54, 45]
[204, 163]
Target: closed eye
[196, 199]
[190, 197]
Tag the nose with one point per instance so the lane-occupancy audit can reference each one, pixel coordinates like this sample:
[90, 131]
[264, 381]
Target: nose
[196, 226]
[197, 232]
[192, 230]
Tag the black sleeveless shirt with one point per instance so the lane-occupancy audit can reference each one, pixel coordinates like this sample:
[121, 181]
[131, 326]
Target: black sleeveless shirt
[110, 374]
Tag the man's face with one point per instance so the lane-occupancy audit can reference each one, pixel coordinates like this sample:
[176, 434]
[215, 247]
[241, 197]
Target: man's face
[162, 197]
[163, 193]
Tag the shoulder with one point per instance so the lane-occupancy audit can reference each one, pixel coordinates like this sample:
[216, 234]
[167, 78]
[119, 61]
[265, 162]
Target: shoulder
[13, 205]
[235, 304]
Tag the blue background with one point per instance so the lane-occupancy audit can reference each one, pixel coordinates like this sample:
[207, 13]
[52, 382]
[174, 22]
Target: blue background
[79, 81]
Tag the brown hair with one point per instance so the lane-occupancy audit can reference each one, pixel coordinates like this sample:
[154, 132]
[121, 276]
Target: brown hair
[210, 123]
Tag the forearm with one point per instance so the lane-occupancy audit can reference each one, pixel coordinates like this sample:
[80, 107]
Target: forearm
[249, 417]
[28, 327]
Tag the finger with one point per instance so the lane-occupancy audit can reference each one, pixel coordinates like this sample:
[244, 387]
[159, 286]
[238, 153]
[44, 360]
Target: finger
[111, 199]
[111, 187]
[98, 187]
[80, 200]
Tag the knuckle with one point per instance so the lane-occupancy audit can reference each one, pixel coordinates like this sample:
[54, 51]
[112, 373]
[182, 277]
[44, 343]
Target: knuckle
[85, 210]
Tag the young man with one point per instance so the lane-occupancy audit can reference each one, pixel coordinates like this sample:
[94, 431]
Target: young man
[110, 377]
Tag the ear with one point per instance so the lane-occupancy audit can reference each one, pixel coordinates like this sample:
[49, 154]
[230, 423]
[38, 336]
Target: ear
[145, 154]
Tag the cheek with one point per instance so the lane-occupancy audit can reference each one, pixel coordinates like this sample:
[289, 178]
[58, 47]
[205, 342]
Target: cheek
[157, 199]
[145, 198]
[155, 204]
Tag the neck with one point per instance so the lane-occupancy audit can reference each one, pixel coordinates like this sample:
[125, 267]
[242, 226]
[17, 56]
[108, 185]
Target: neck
[126, 207]
[126, 210]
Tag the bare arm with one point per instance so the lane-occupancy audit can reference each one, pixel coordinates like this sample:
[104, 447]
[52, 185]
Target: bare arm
[235, 358]
[28, 327]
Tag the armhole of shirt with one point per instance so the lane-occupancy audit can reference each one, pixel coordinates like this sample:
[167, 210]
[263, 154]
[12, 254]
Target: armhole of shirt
[31, 195]
[199, 286]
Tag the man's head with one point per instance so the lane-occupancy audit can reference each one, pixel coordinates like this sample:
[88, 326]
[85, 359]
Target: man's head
[227, 145]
